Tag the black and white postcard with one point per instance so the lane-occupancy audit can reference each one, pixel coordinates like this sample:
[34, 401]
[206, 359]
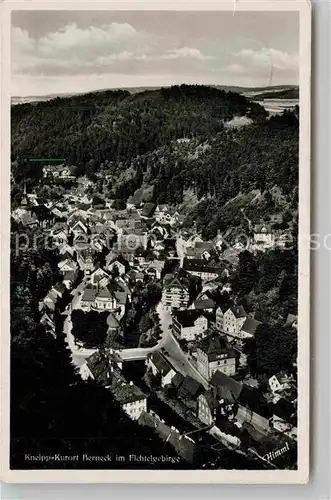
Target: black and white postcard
[155, 250]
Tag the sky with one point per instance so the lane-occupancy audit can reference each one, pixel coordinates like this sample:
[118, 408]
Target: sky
[55, 52]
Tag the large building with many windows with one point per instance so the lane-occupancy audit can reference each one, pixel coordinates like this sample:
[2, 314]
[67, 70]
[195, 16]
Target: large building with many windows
[213, 353]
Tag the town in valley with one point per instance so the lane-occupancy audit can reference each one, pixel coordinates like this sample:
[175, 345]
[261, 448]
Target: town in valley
[183, 321]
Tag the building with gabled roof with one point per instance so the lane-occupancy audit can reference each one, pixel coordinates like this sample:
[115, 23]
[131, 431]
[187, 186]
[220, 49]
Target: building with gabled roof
[292, 321]
[148, 210]
[175, 294]
[214, 354]
[189, 324]
[59, 289]
[116, 261]
[202, 269]
[234, 319]
[236, 401]
[161, 367]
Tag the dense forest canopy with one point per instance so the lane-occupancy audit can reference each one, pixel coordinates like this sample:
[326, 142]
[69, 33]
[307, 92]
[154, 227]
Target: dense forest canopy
[116, 124]
[175, 139]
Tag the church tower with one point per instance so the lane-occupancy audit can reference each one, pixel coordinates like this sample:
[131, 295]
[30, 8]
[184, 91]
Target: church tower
[24, 201]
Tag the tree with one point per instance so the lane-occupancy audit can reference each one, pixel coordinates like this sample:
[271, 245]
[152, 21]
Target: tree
[247, 274]
[90, 328]
[275, 351]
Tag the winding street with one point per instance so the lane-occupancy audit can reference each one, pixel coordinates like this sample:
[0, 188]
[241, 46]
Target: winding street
[168, 344]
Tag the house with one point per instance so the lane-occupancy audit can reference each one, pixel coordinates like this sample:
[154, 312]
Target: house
[239, 403]
[129, 396]
[234, 319]
[220, 318]
[113, 323]
[248, 329]
[158, 233]
[189, 389]
[201, 269]
[161, 367]
[67, 265]
[200, 250]
[162, 214]
[105, 369]
[58, 172]
[263, 236]
[81, 242]
[292, 321]
[115, 262]
[148, 210]
[207, 305]
[101, 365]
[69, 278]
[280, 382]
[79, 227]
[134, 276]
[159, 248]
[28, 221]
[60, 238]
[107, 298]
[99, 277]
[155, 268]
[59, 212]
[85, 259]
[88, 299]
[132, 239]
[183, 445]
[59, 289]
[189, 324]
[136, 200]
[49, 324]
[175, 293]
[213, 353]
[284, 419]
[50, 300]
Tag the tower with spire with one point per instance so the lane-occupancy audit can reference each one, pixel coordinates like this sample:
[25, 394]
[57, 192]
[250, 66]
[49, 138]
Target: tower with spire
[24, 199]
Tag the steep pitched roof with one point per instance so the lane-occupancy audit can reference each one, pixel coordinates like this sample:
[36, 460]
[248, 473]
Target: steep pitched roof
[125, 392]
[187, 317]
[69, 276]
[200, 265]
[59, 287]
[89, 294]
[204, 245]
[262, 228]
[137, 197]
[171, 281]
[250, 326]
[204, 304]
[161, 363]
[214, 345]
[105, 293]
[239, 311]
[233, 391]
[112, 322]
[177, 380]
[291, 318]
[190, 388]
[148, 209]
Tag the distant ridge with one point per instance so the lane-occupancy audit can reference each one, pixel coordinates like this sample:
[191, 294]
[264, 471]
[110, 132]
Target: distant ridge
[248, 91]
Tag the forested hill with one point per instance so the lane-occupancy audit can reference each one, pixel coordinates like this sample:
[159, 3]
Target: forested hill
[116, 125]
[178, 140]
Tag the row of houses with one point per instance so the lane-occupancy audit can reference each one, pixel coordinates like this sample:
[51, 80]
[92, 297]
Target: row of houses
[225, 398]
